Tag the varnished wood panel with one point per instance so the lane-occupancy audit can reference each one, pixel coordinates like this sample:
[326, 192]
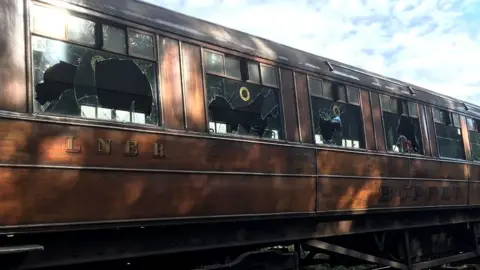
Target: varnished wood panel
[171, 85]
[475, 173]
[358, 194]
[431, 131]
[465, 137]
[378, 121]
[289, 105]
[353, 164]
[13, 87]
[357, 164]
[51, 196]
[474, 193]
[367, 119]
[193, 88]
[303, 102]
[41, 143]
[424, 131]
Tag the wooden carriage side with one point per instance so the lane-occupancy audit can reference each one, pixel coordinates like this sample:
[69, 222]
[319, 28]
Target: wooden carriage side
[63, 168]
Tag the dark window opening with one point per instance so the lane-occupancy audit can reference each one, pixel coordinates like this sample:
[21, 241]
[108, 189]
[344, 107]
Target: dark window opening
[449, 134]
[84, 80]
[337, 116]
[401, 125]
[242, 108]
[474, 135]
[77, 81]
[237, 101]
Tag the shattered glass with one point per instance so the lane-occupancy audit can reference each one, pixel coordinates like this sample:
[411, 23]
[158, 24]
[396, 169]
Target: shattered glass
[243, 108]
[77, 81]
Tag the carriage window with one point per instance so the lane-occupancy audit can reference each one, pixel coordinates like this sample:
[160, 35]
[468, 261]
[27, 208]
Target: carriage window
[242, 108]
[81, 81]
[474, 135]
[336, 119]
[141, 44]
[449, 134]
[401, 125]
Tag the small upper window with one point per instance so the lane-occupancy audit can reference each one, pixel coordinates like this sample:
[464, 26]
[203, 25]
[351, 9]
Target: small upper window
[49, 21]
[269, 75]
[214, 63]
[412, 109]
[232, 67]
[141, 44]
[114, 39]
[81, 30]
[353, 95]
[253, 72]
[315, 86]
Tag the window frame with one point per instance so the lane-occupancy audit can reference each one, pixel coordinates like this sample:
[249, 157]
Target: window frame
[98, 46]
[439, 109]
[278, 89]
[408, 102]
[312, 122]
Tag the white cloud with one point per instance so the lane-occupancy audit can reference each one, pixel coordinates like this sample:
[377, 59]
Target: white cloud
[426, 42]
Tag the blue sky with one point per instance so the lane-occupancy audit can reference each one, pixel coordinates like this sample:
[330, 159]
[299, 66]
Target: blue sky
[431, 43]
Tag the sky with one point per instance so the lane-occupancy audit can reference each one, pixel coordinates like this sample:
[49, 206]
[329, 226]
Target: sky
[431, 43]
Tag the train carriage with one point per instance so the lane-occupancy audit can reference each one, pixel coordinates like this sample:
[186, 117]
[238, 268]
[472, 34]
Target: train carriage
[130, 130]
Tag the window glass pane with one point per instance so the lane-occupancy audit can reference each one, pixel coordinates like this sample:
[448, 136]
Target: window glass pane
[114, 39]
[456, 119]
[327, 89]
[475, 145]
[353, 95]
[450, 142]
[412, 109]
[81, 30]
[337, 123]
[269, 75]
[232, 67]
[122, 116]
[394, 105]
[104, 113]
[437, 115]
[214, 62]
[402, 133]
[404, 108]
[471, 124]
[141, 44]
[88, 111]
[342, 95]
[315, 86]
[67, 77]
[49, 21]
[253, 72]
[243, 108]
[385, 103]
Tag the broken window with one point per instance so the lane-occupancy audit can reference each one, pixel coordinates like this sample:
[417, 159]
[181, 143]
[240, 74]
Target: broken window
[401, 125]
[82, 81]
[449, 134]
[474, 134]
[337, 117]
[235, 105]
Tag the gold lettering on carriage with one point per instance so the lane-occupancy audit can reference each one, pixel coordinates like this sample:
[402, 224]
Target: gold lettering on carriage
[104, 147]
